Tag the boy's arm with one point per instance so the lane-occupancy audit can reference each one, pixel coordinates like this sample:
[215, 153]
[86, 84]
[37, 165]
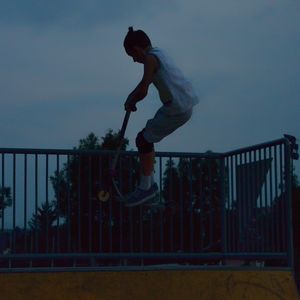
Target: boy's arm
[140, 92]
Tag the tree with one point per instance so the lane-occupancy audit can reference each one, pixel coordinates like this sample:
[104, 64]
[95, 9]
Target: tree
[42, 228]
[44, 219]
[5, 199]
[193, 189]
[191, 192]
[295, 180]
[92, 224]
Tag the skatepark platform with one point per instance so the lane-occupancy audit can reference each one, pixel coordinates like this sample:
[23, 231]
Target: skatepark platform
[156, 284]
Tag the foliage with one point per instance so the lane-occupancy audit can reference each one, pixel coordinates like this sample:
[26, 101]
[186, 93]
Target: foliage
[193, 191]
[295, 180]
[44, 218]
[5, 199]
[77, 185]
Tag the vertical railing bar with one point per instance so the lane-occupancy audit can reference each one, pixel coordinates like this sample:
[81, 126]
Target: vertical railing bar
[248, 201]
[266, 219]
[277, 202]
[253, 199]
[258, 200]
[68, 205]
[283, 206]
[229, 196]
[79, 216]
[233, 205]
[253, 204]
[111, 221]
[2, 190]
[181, 210]
[14, 204]
[151, 225]
[25, 201]
[101, 216]
[201, 205]
[121, 208]
[260, 216]
[241, 204]
[240, 207]
[161, 213]
[52, 239]
[171, 199]
[271, 201]
[236, 220]
[131, 225]
[223, 210]
[255, 209]
[47, 202]
[233, 183]
[243, 201]
[141, 228]
[36, 231]
[289, 225]
[57, 204]
[151, 220]
[196, 209]
[151, 232]
[209, 214]
[90, 235]
[190, 177]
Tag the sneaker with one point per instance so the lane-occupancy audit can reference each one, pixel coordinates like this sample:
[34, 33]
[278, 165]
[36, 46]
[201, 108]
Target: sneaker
[140, 196]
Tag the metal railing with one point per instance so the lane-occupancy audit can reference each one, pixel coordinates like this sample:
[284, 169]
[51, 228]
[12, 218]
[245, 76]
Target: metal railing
[211, 207]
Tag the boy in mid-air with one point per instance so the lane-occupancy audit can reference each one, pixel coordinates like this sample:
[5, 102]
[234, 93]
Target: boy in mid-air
[177, 96]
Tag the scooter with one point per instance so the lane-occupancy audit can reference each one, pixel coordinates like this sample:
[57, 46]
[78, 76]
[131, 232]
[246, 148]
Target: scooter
[103, 194]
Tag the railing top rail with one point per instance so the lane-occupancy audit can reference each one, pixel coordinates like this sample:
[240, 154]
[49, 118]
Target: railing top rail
[211, 155]
[103, 152]
[256, 147]
[119, 255]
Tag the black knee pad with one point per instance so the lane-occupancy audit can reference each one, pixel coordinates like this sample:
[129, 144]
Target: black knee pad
[142, 145]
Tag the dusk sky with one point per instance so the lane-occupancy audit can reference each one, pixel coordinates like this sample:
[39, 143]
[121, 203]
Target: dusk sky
[64, 72]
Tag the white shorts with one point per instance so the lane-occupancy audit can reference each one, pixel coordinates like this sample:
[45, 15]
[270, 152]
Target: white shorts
[164, 124]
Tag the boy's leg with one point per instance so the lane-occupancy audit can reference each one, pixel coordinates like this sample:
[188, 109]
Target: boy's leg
[146, 155]
[156, 129]
[147, 163]
[146, 190]
[147, 168]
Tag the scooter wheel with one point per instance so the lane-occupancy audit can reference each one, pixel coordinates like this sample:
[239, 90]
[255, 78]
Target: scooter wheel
[103, 196]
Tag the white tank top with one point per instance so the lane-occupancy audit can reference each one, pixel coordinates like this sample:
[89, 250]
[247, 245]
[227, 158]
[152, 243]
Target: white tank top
[175, 91]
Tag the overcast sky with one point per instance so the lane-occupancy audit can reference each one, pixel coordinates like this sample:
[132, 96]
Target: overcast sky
[64, 73]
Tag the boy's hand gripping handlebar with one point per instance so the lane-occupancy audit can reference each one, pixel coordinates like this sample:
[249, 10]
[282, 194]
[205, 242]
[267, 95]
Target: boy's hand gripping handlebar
[103, 195]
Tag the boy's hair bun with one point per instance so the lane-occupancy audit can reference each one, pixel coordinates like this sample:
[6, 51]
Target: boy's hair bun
[136, 38]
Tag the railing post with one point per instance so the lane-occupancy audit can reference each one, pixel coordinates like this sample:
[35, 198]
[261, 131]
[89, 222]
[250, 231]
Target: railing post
[223, 209]
[288, 188]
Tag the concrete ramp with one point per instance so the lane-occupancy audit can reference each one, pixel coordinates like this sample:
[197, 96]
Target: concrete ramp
[168, 284]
